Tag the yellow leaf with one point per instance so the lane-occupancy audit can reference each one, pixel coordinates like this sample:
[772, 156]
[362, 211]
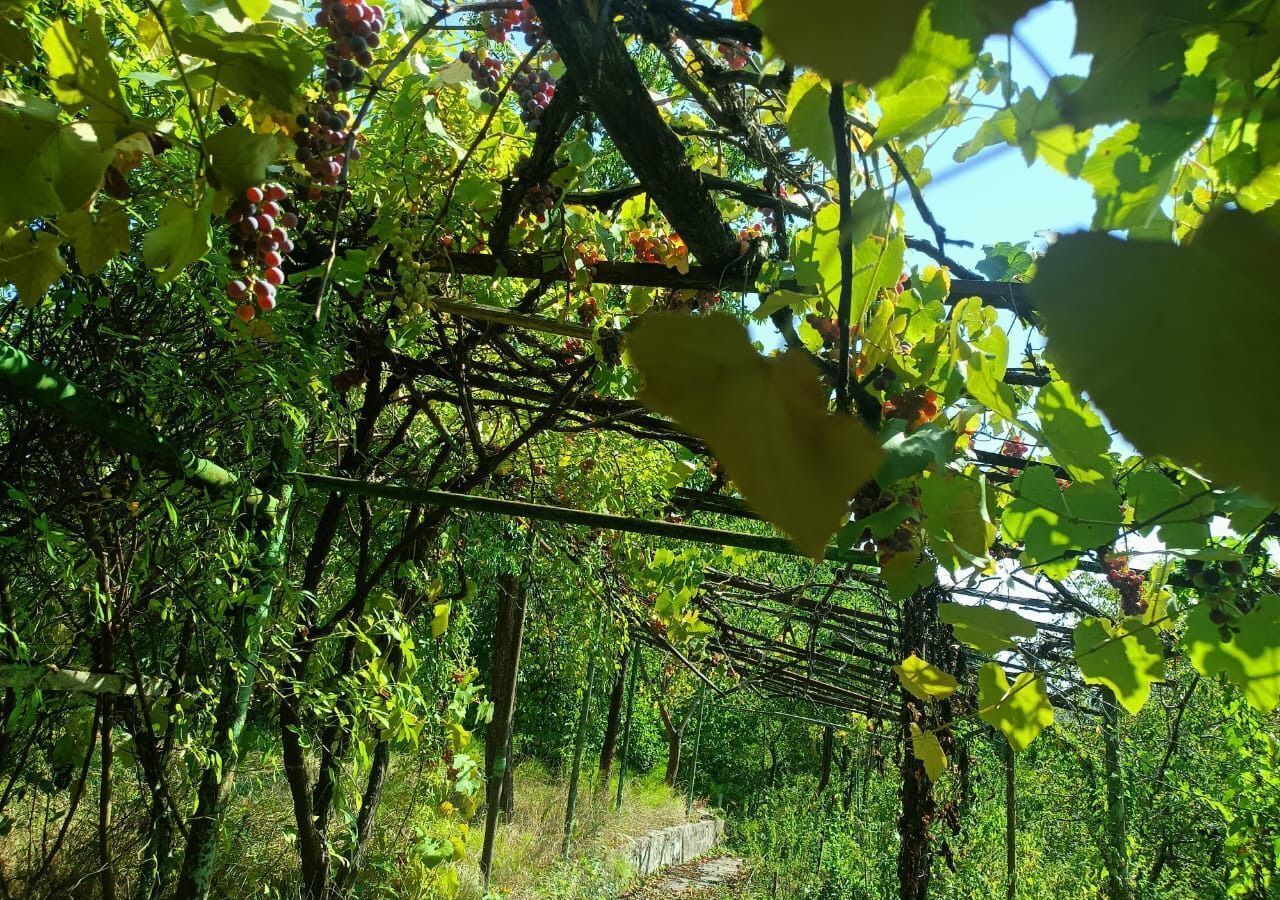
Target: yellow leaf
[767, 421]
[925, 746]
[924, 680]
[440, 619]
[1021, 710]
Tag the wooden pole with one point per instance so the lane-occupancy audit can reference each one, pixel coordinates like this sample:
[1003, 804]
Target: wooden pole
[626, 730]
[584, 714]
[508, 634]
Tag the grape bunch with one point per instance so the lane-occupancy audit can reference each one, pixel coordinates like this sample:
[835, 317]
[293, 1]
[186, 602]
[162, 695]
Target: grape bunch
[588, 311]
[748, 236]
[871, 500]
[260, 241]
[321, 140]
[610, 341]
[535, 90]
[541, 198]
[1014, 446]
[1128, 584]
[734, 54]
[484, 72]
[523, 19]
[355, 29]
[915, 407]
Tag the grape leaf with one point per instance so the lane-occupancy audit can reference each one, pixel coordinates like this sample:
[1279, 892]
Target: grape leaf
[1020, 711]
[440, 619]
[238, 158]
[29, 260]
[847, 42]
[986, 628]
[1143, 289]
[765, 419]
[956, 518]
[1073, 432]
[1127, 658]
[80, 69]
[910, 454]
[181, 236]
[96, 239]
[1055, 525]
[911, 111]
[807, 119]
[925, 746]
[49, 166]
[15, 43]
[923, 680]
[1183, 521]
[1251, 659]
[905, 573]
[256, 65]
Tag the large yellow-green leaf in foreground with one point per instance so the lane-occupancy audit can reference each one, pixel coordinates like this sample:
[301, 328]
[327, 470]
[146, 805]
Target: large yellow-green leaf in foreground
[1127, 658]
[1021, 710]
[841, 40]
[923, 680]
[1153, 332]
[765, 419]
[986, 628]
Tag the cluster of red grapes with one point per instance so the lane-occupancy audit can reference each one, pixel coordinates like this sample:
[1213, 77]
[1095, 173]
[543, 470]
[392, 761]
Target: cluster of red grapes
[884, 380]
[260, 240]
[915, 407]
[1014, 446]
[535, 90]
[768, 212]
[828, 329]
[355, 29]
[321, 141]
[1128, 584]
[588, 311]
[748, 236]
[484, 72]
[871, 500]
[541, 198]
[522, 18]
[735, 55]
[571, 351]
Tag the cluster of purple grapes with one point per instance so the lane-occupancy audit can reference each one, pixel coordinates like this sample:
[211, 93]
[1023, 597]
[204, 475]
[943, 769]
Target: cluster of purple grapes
[484, 72]
[542, 198]
[523, 18]
[535, 90]
[355, 28]
[260, 240]
[321, 141]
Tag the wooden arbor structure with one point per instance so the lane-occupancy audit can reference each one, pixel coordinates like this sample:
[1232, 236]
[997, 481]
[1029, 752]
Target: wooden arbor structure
[495, 360]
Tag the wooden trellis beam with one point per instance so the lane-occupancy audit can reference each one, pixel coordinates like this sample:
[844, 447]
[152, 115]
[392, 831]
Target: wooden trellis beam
[54, 678]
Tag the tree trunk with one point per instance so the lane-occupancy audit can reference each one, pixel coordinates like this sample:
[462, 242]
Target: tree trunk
[921, 633]
[675, 740]
[1115, 840]
[369, 803]
[613, 723]
[508, 635]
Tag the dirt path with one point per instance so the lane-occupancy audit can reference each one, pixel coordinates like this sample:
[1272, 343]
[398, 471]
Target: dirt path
[701, 879]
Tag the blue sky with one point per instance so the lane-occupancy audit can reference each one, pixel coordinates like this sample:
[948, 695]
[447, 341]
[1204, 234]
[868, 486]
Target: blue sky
[995, 196]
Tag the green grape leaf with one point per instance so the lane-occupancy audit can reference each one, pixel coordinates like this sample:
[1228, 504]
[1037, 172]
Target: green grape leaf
[181, 236]
[986, 628]
[782, 300]
[765, 419]
[49, 166]
[956, 518]
[256, 65]
[1020, 711]
[1251, 659]
[923, 680]
[1073, 432]
[96, 239]
[238, 158]
[910, 454]
[1145, 289]
[15, 43]
[1055, 526]
[912, 111]
[807, 118]
[862, 42]
[1181, 516]
[80, 69]
[905, 573]
[1127, 658]
[925, 746]
[29, 260]
[440, 619]
[881, 524]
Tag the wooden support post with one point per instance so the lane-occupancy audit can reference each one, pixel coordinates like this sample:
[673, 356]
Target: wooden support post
[626, 729]
[1115, 839]
[697, 740]
[584, 714]
[508, 634]
[613, 721]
